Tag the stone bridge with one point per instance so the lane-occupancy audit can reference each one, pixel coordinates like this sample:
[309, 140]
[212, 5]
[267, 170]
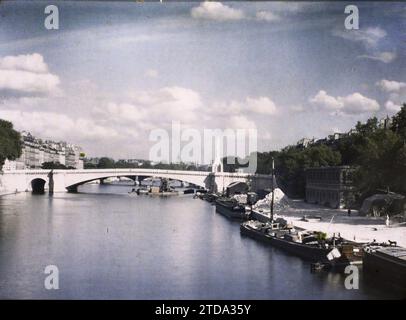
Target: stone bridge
[69, 180]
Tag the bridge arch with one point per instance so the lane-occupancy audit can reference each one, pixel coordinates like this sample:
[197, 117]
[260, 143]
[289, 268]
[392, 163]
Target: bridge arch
[204, 183]
[38, 186]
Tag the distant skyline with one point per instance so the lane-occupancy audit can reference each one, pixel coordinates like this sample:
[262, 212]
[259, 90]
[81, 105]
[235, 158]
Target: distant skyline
[115, 71]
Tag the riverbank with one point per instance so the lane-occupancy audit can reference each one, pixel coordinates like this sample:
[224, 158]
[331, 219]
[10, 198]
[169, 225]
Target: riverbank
[3, 190]
[6, 193]
[354, 227]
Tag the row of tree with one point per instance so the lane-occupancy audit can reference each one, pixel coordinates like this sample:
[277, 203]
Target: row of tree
[55, 165]
[378, 154]
[108, 163]
[10, 142]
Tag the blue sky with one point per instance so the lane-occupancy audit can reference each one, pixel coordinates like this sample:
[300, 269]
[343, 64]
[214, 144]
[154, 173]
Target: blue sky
[115, 71]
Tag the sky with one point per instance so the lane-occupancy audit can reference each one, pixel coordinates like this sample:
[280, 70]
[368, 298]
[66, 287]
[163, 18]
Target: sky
[114, 72]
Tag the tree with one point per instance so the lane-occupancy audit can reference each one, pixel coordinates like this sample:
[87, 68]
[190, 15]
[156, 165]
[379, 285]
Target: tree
[381, 163]
[291, 162]
[367, 128]
[54, 165]
[10, 142]
[106, 163]
[378, 154]
[146, 164]
[230, 163]
[382, 159]
[89, 165]
[399, 122]
[264, 161]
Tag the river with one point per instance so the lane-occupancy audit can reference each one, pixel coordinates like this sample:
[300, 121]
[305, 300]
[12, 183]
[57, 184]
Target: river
[108, 244]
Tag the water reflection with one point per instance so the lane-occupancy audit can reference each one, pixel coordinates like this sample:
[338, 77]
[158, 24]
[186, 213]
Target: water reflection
[108, 244]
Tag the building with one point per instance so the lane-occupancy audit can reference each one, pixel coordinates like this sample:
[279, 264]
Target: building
[385, 123]
[333, 139]
[136, 162]
[337, 136]
[132, 162]
[330, 186]
[35, 152]
[73, 156]
[304, 143]
[9, 165]
[237, 187]
[91, 161]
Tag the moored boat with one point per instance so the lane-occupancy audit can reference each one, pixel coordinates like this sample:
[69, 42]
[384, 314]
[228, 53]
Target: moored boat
[230, 208]
[386, 263]
[142, 191]
[164, 193]
[209, 197]
[259, 216]
[309, 245]
[297, 242]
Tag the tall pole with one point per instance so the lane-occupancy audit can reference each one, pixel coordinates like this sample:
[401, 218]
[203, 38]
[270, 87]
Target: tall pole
[272, 198]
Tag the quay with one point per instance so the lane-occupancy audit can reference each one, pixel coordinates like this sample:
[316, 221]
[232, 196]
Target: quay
[387, 264]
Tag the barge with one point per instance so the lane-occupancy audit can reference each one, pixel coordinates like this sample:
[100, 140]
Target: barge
[386, 263]
[311, 246]
[230, 208]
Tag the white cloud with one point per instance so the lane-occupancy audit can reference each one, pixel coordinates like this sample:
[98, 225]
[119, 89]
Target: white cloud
[28, 82]
[155, 106]
[396, 93]
[27, 74]
[253, 106]
[390, 85]
[216, 11]
[369, 36]
[267, 16]
[58, 126]
[121, 113]
[211, 10]
[357, 103]
[391, 106]
[261, 105]
[322, 99]
[385, 57]
[294, 7]
[240, 122]
[352, 104]
[29, 62]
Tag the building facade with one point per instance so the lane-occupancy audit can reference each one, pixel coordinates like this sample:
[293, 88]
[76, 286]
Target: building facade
[304, 143]
[36, 151]
[330, 186]
[332, 139]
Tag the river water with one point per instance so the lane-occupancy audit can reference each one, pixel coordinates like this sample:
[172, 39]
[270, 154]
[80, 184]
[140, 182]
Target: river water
[108, 244]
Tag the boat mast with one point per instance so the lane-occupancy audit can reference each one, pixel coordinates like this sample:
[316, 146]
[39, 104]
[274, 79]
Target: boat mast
[272, 198]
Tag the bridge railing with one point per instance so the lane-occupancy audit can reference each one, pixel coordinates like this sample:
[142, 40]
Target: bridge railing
[136, 171]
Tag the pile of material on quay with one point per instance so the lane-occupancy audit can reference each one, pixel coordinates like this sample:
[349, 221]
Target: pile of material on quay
[281, 201]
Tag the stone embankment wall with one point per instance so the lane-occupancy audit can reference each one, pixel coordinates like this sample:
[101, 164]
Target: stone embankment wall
[3, 190]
